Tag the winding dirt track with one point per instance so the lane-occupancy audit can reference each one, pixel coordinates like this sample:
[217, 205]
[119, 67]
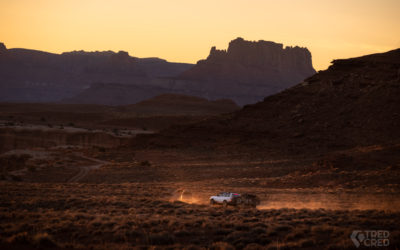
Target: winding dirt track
[83, 171]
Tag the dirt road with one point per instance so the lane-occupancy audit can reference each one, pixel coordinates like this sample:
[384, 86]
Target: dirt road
[83, 171]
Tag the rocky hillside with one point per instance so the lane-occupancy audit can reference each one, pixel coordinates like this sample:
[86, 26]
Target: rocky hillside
[353, 103]
[178, 104]
[116, 93]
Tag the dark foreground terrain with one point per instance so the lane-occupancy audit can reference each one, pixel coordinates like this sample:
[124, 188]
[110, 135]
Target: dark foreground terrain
[323, 157]
[117, 199]
[124, 216]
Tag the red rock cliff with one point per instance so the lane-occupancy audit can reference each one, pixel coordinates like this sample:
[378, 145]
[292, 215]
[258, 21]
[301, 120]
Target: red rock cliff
[254, 62]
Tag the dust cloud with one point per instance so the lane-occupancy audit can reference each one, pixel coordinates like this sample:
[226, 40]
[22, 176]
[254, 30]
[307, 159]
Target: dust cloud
[310, 199]
[345, 201]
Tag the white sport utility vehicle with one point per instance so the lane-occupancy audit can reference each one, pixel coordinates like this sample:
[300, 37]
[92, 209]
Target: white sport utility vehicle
[225, 199]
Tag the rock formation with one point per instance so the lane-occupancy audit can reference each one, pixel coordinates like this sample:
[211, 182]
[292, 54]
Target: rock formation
[355, 103]
[248, 71]
[3, 48]
[245, 73]
[253, 63]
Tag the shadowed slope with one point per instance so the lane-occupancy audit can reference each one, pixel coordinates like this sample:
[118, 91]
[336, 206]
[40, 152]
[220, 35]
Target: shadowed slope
[353, 103]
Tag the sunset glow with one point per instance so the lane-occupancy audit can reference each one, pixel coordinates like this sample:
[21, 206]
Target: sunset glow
[184, 31]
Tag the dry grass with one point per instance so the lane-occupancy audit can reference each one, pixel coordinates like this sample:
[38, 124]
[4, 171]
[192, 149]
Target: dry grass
[299, 209]
[121, 216]
[13, 162]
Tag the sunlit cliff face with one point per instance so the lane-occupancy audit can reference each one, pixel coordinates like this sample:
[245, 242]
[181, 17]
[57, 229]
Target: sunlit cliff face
[178, 30]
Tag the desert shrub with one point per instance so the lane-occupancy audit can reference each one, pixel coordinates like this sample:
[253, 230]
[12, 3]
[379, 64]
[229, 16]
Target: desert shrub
[307, 243]
[242, 227]
[95, 223]
[43, 240]
[182, 233]
[260, 225]
[272, 233]
[16, 177]
[228, 211]
[282, 228]
[132, 235]
[263, 240]
[251, 220]
[31, 168]
[248, 238]
[295, 236]
[215, 213]
[258, 230]
[237, 237]
[119, 237]
[173, 224]
[189, 223]
[193, 247]
[221, 246]
[161, 239]
[222, 231]
[241, 243]
[101, 149]
[309, 222]
[322, 230]
[254, 246]
[156, 203]
[145, 163]
[19, 238]
[178, 204]
[229, 225]
[168, 211]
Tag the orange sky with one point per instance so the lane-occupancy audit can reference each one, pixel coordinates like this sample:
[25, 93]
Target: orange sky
[184, 30]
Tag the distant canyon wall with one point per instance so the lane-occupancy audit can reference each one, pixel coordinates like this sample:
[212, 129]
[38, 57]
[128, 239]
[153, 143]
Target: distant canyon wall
[38, 76]
[246, 72]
